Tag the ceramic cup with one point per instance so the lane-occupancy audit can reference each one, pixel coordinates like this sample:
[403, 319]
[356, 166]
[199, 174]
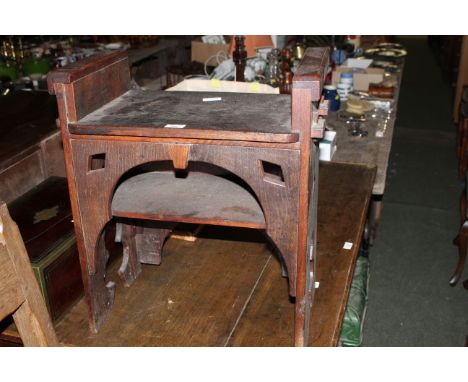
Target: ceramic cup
[330, 93]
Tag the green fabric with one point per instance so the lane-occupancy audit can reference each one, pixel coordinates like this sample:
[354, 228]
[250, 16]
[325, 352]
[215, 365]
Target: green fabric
[351, 331]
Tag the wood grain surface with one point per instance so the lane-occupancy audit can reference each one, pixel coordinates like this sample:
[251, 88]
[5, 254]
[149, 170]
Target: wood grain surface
[344, 194]
[226, 288]
[197, 198]
[370, 150]
[140, 112]
[19, 290]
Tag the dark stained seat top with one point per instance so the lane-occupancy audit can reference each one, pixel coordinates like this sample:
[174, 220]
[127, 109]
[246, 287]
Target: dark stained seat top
[239, 116]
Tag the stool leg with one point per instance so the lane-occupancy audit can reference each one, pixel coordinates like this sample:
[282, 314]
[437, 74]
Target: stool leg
[462, 240]
[465, 284]
[98, 292]
[150, 241]
[131, 267]
[141, 244]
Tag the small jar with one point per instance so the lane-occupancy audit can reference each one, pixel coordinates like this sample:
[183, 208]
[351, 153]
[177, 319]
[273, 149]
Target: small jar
[347, 78]
[273, 74]
[343, 90]
[286, 83]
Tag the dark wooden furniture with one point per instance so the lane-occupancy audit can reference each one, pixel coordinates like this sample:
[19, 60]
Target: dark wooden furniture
[262, 142]
[44, 218]
[19, 291]
[30, 144]
[462, 140]
[461, 241]
[462, 78]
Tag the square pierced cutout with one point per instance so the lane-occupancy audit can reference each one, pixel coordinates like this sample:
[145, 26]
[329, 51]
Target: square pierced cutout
[273, 173]
[97, 162]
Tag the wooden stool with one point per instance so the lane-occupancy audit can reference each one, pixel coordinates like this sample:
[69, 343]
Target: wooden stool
[19, 291]
[113, 134]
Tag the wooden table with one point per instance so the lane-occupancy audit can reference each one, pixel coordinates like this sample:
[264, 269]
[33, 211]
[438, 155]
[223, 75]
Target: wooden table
[370, 151]
[226, 288]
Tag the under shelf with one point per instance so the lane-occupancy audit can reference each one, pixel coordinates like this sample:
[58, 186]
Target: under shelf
[198, 198]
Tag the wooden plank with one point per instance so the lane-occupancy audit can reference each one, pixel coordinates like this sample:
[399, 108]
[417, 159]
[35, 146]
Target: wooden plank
[194, 298]
[52, 151]
[197, 198]
[8, 286]
[112, 81]
[312, 70]
[21, 177]
[341, 218]
[161, 132]
[32, 318]
[82, 68]
[344, 193]
[138, 109]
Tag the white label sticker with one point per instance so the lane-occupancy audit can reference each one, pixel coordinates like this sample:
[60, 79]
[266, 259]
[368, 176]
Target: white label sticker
[317, 284]
[175, 126]
[348, 245]
[212, 99]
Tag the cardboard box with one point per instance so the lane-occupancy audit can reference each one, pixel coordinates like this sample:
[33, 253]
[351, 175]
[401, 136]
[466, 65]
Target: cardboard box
[361, 78]
[201, 52]
[215, 85]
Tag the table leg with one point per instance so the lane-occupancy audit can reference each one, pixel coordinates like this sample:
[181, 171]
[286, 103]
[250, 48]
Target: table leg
[461, 241]
[375, 213]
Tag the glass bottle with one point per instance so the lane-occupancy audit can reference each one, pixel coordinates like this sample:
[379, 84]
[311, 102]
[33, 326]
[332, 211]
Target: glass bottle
[239, 56]
[286, 83]
[286, 58]
[273, 76]
[259, 64]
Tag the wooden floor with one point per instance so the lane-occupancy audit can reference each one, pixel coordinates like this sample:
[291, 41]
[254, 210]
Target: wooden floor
[226, 288]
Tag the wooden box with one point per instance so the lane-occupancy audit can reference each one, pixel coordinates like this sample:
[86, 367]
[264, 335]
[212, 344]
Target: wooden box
[44, 218]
